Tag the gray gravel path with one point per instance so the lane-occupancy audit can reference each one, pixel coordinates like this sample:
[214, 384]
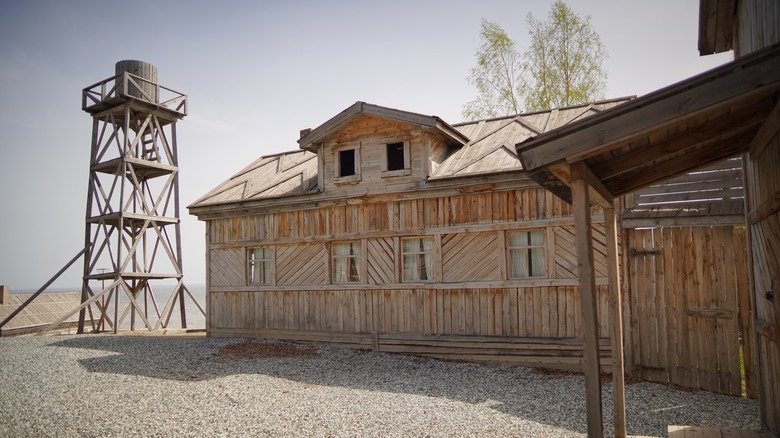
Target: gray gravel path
[106, 385]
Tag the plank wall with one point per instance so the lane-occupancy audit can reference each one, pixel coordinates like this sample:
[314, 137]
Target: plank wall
[763, 192]
[471, 297]
[758, 28]
[688, 307]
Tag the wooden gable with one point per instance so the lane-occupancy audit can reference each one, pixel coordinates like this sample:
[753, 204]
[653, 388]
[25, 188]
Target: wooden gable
[368, 137]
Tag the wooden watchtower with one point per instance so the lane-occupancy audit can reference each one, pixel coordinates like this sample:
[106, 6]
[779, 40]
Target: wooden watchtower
[132, 233]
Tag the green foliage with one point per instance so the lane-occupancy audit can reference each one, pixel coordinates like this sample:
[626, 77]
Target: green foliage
[562, 66]
[496, 75]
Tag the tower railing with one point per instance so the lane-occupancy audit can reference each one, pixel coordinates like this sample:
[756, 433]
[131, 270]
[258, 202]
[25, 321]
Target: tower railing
[105, 91]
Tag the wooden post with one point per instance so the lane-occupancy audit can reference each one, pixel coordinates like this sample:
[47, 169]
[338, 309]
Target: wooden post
[616, 315]
[587, 277]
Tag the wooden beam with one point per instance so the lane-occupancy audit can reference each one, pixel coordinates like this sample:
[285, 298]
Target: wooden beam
[83, 305]
[587, 278]
[688, 162]
[767, 131]
[616, 317]
[598, 193]
[597, 190]
[693, 132]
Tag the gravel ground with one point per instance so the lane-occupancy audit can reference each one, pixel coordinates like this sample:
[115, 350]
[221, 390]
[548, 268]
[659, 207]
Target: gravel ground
[107, 385]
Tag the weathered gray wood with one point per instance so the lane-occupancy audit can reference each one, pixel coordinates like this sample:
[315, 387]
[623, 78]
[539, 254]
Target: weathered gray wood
[144, 89]
[616, 322]
[587, 279]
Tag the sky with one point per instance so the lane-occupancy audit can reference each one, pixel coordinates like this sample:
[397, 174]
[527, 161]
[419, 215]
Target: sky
[256, 73]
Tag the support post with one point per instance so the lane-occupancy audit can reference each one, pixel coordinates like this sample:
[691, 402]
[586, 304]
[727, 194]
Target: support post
[616, 316]
[587, 279]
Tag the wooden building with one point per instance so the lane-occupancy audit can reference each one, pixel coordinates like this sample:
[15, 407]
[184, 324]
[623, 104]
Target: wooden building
[729, 111]
[399, 232]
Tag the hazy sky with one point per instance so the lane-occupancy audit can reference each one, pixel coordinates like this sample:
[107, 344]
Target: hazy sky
[256, 73]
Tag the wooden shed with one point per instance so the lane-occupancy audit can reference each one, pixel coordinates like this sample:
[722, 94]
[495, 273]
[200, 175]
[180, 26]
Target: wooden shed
[730, 111]
[396, 231]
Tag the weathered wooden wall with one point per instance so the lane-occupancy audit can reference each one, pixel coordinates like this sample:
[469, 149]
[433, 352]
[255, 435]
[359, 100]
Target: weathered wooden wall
[531, 323]
[686, 287]
[763, 193]
[472, 297]
[758, 26]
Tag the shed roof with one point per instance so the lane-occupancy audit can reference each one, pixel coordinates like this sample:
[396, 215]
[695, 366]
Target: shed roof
[679, 128]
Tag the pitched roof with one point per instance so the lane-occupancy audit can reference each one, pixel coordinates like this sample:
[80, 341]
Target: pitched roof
[309, 141]
[480, 147]
[492, 145]
[272, 176]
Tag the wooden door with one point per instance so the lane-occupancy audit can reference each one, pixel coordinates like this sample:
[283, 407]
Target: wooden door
[684, 286]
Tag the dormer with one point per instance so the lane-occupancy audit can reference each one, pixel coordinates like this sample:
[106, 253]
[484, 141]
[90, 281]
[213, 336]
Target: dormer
[372, 149]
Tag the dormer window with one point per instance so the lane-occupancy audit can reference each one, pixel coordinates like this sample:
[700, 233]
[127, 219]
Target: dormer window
[395, 159]
[347, 163]
[395, 156]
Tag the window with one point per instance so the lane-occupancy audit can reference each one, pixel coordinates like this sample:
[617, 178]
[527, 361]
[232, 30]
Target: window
[526, 254]
[259, 265]
[417, 255]
[346, 262]
[395, 156]
[347, 163]
[395, 159]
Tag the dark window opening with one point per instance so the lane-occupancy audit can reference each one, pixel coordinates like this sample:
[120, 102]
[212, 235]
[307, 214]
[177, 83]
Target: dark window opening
[395, 156]
[347, 162]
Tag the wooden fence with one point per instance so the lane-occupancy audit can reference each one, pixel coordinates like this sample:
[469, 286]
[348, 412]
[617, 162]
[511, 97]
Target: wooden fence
[689, 303]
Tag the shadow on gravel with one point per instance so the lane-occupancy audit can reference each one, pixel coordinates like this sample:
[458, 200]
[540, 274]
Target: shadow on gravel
[555, 400]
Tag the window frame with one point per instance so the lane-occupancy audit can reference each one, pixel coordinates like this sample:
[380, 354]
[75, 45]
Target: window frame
[528, 248]
[337, 150]
[431, 269]
[407, 169]
[251, 261]
[358, 264]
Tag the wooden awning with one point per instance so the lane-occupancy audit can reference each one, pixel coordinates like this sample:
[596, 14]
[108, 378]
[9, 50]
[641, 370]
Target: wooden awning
[720, 113]
[672, 131]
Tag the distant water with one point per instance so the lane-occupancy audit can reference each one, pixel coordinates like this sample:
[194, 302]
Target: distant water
[195, 320]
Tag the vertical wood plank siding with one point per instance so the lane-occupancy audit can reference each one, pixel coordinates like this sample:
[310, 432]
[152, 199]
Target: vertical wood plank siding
[763, 194]
[477, 312]
[685, 288]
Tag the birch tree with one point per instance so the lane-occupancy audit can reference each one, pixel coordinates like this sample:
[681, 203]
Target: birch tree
[562, 66]
[496, 75]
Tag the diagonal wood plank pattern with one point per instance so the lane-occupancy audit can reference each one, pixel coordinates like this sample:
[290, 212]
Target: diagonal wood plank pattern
[226, 267]
[301, 264]
[470, 256]
[381, 260]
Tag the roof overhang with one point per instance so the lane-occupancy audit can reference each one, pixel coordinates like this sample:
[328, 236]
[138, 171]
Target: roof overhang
[671, 131]
[716, 26]
[311, 140]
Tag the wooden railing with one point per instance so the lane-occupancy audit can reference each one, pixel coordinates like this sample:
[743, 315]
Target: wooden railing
[118, 86]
